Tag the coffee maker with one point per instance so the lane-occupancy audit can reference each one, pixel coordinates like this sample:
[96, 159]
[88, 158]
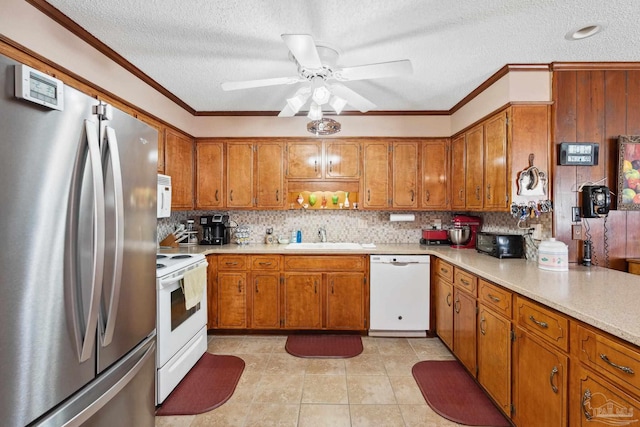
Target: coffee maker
[473, 224]
[215, 230]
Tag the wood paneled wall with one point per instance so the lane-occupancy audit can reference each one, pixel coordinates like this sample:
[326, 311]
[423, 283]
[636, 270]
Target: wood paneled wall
[595, 104]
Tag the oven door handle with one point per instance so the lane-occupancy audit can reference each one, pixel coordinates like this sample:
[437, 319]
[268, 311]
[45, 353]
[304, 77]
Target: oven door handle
[164, 283]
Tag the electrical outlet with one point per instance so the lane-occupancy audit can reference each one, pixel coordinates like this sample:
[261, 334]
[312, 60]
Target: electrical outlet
[576, 232]
[537, 232]
[362, 223]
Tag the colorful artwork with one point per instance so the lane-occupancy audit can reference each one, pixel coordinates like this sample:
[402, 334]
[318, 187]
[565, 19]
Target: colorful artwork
[629, 172]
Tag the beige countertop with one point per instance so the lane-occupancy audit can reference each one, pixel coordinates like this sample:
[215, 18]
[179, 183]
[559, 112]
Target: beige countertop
[607, 299]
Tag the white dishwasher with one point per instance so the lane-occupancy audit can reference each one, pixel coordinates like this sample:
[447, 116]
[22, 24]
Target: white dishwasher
[399, 295]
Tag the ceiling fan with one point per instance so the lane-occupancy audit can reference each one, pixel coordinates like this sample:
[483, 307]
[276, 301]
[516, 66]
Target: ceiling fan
[317, 65]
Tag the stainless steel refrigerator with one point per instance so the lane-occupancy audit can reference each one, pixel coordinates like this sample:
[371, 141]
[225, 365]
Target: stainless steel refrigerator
[77, 262]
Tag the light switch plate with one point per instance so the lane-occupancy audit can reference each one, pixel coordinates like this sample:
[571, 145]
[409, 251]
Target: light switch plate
[537, 232]
[576, 232]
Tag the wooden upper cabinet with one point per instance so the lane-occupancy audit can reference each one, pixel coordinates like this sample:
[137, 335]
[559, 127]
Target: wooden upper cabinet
[179, 165]
[209, 175]
[375, 185]
[458, 172]
[304, 160]
[495, 163]
[434, 173]
[474, 168]
[160, 152]
[404, 159]
[342, 159]
[239, 175]
[269, 187]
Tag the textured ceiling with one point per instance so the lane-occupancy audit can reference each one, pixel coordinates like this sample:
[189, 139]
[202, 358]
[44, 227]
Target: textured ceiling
[191, 46]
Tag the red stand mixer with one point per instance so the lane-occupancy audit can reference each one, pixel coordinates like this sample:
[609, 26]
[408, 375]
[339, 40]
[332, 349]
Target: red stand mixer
[464, 231]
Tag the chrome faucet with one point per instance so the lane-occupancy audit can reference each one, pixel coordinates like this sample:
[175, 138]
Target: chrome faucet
[322, 234]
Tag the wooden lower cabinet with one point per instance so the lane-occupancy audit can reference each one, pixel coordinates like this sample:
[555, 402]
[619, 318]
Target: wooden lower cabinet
[265, 300]
[494, 356]
[345, 301]
[540, 382]
[595, 401]
[444, 310]
[232, 300]
[302, 301]
[464, 329]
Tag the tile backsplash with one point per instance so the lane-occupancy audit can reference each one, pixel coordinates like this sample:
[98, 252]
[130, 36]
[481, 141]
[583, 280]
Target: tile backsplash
[357, 226]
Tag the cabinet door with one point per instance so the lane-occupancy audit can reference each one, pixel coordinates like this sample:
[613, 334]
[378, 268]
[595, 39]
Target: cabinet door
[302, 300]
[464, 329]
[265, 300]
[179, 166]
[239, 175]
[474, 168]
[434, 173]
[494, 356]
[269, 175]
[345, 301]
[404, 164]
[376, 175]
[595, 401]
[304, 160]
[160, 150]
[232, 300]
[342, 160]
[212, 292]
[458, 173]
[495, 163]
[539, 383]
[444, 310]
[209, 175]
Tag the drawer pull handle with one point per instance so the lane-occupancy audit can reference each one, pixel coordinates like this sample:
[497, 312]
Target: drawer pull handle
[554, 371]
[231, 263]
[265, 263]
[493, 298]
[465, 282]
[444, 270]
[624, 369]
[585, 398]
[448, 299]
[543, 325]
[482, 330]
[456, 306]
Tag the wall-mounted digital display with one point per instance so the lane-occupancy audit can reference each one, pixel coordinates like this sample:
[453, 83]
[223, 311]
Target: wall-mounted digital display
[38, 87]
[578, 153]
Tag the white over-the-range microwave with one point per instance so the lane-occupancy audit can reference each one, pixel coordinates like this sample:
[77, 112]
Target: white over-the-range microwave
[164, 196]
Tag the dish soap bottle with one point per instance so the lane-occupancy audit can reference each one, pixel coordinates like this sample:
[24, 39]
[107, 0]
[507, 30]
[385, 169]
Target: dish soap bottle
[346, 199]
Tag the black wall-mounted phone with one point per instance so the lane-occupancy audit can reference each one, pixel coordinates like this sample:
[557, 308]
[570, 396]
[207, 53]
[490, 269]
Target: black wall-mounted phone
[596, 201]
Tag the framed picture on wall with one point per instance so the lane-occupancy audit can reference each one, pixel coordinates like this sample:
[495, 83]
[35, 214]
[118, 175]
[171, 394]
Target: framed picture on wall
[629, 172]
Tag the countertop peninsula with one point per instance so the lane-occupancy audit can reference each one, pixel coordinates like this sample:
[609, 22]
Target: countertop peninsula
[605, 298]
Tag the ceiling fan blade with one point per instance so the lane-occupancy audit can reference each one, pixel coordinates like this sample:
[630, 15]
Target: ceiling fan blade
[374, 71]
[303, 49]
[287, 112]
[353, 98]
[248, 84]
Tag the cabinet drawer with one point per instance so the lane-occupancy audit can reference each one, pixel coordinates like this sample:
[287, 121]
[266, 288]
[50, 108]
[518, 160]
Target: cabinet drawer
[620, 363]
[324, 263]
[497, 298]
[550, 326]
[465, 281]
[265, 262]
[444, 269]
[232, 262]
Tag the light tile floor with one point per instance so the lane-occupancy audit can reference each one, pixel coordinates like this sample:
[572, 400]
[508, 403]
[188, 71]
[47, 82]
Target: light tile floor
[375, 388]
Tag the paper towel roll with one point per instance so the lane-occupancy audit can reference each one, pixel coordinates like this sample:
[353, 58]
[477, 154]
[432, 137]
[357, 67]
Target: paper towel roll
[402, 217]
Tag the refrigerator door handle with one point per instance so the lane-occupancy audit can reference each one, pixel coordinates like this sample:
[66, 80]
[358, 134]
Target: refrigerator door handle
[85, 341]
[112, 309]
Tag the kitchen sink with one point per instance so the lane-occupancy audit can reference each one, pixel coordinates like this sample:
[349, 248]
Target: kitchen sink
[324, 245]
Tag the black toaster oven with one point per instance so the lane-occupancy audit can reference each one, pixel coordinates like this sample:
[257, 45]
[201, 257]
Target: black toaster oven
[500, 245]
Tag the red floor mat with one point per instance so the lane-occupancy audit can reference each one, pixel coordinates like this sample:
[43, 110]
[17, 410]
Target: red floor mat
[451, 392]
[209, 384]
[324, 346]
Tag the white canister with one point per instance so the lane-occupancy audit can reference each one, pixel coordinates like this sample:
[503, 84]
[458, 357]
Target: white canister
[553, 255]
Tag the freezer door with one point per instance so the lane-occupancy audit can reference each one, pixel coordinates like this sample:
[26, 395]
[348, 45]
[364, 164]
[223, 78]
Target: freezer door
[39, 351]
[128, 312]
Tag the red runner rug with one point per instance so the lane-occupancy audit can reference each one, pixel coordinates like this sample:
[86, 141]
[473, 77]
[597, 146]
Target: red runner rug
[451, 392]
[324, 346]
[208, 384]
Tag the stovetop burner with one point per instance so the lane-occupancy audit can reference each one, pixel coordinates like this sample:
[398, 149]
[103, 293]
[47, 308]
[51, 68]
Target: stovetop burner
[167, 264]
[160, 256]
[181, 256]
[160, 266]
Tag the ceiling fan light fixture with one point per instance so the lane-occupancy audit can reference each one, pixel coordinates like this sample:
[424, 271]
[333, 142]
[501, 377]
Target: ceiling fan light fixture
[337, 103]
[321, 93]
[315, 112]
[299, 99]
